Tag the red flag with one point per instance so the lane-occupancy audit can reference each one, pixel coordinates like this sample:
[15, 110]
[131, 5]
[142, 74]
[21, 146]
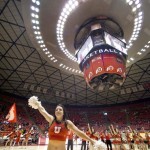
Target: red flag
[12, 115]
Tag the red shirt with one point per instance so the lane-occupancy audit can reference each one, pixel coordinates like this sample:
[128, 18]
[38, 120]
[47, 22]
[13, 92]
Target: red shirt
[18, 136]
[12, 135]
[58, 131]
[92, 136]
[102, 136]
[27, 135]
[70, 135]
[107, 136]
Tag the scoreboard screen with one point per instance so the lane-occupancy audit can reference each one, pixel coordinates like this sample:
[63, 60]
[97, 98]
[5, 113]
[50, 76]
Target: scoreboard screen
[99, 38]
[85, 49]
[115, 43]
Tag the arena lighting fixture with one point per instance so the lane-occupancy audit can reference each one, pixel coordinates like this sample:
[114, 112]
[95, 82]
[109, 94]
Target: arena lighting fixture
[55, 60]
[140, 52]
[35, 8]
[132, 59]
[136, 6]
[66, 11]
[143, 50]
[69, 7]
[105, 113]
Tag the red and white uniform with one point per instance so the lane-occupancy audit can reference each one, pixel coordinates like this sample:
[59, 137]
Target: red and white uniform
[12, 135]
[70, 135]
[94, 137]
[18, 136]
[117, 139]
[58, 131]
[27, 135]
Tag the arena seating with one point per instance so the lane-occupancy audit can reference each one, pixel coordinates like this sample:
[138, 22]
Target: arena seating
[135, 115]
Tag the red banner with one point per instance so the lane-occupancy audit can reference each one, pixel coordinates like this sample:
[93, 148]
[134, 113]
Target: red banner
[12, 115]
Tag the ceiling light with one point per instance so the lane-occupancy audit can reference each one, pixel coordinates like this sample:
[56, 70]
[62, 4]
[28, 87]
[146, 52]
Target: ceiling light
[140, 13]
[33, 21]
[36, 9]
[139, 53]
[136, 2]
[44, 49]
[37, 22]
[131, 2]
[134, 9]
[34, 27]
[50, 55]
[131, 58]
[55, 60]
[32, 7]
[127, 1]
[143, 50]
[35, 32]
[40, 37]
[76, 3]
[37, 2]
[140, 17]
[33, 15]
[147, 46]
[36, 16]
[138, 6]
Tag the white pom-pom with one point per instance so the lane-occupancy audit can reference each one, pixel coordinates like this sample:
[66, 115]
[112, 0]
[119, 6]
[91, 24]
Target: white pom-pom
[99, 145]
[33, 102]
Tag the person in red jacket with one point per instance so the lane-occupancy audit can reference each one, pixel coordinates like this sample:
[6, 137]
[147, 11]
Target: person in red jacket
[59, 125]
[108, 141]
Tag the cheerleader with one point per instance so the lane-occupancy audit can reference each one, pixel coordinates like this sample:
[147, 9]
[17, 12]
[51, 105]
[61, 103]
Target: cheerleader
[117, 137]
[136, 139]
[59, 125]
[18, 136]
[11, 136]
[26, 137]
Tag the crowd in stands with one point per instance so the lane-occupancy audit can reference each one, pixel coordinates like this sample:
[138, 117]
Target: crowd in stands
[135, 115]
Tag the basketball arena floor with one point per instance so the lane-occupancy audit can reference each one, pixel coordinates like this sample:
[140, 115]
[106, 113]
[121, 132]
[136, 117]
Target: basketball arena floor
[44, 147]
[39, 147]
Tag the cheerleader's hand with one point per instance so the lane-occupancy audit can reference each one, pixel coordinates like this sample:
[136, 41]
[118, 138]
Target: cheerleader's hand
[91, 144]
[98, 145]
[33, 102]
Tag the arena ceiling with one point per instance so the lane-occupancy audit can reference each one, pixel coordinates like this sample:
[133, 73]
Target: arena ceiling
[25, 69]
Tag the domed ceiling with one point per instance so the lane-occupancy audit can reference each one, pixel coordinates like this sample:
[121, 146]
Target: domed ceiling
[38, 54]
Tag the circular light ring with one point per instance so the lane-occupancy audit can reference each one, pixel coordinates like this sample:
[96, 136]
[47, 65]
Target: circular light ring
[70, 69]
[136, 8]
[34, 19]
[140, 52]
